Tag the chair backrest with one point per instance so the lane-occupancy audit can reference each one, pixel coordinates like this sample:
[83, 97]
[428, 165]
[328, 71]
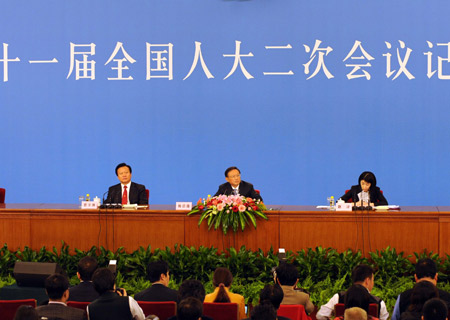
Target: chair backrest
[163, 310]
[147, 192]
[292, 311]
[221, 311]
[8, 308]
[2, 195]
[78, 304]
[373, 310]
[339, 310]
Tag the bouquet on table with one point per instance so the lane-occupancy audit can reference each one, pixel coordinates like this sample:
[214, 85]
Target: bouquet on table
[229, 211]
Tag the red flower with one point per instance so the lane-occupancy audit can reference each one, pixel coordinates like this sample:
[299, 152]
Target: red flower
[201, 207]
[255, 208]
[235, 209]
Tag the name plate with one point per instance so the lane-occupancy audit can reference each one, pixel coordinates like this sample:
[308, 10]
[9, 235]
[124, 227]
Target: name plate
[343, 206]
[89, 205]
[183, 206]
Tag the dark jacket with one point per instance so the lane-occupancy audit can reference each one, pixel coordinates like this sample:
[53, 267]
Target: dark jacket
[157, 292]
[376, 196]
[245, 189]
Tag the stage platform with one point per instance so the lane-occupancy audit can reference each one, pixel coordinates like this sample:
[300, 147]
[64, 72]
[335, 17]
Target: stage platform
[411, 229]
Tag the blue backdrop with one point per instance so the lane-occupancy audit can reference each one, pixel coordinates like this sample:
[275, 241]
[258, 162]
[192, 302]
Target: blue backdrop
[298, 136]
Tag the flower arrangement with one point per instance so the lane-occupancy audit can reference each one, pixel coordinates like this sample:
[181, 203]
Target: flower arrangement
[229, 211]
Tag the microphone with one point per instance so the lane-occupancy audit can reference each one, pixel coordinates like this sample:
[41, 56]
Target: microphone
[354, 196]
[109, 204]
[368, 201]
[103, 205]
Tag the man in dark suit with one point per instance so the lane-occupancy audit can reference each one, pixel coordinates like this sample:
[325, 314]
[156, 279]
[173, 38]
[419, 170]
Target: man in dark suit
[425, 270]
[126, 192]
[56, 287]
[158, 274]
[236, 186]
[112, 304]
[85, 291]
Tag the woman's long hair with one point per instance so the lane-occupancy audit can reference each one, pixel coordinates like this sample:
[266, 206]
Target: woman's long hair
[368, 176]
[222, 278]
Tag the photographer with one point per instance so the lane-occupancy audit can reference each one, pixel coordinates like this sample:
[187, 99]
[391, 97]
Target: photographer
[112, 304]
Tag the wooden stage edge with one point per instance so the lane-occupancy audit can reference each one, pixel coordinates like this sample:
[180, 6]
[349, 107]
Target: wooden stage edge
[411, 229]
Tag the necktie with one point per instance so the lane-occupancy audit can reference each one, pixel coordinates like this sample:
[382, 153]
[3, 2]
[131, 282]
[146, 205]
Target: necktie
[125, 196]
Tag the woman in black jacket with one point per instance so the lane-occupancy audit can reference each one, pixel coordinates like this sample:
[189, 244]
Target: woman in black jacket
[366, 191]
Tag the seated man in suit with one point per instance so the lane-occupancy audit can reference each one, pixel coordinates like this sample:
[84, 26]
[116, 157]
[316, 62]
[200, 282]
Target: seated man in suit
[85, 291]
[158, 274]
[237, 186]
[425, 270]
[57, 288]
[112, 304]
[287, 278]
[126, 192]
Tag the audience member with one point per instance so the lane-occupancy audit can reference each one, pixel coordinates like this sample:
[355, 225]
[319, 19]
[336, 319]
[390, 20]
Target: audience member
[361, 275]
[85, 291]
[222, 280]
[191, 289]
[358, 296]
[421, 293]
[355, 313]
[287, 278]
[57, 288]
[112, 304]
[158, 274]
[272, 294]
[263, 311]
[435, 309]
[190, 309]
[425, 270]
[26, 313]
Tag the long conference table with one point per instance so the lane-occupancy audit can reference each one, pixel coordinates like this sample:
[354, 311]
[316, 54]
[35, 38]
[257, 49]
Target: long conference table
[410, 229]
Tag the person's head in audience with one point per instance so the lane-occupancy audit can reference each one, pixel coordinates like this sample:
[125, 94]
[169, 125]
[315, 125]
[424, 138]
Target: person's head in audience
[286, 274]
[363, 275]
[355, 313]
[104, 280]
[233, 176]
[222, 279]
[191, 288]
[367, 181]
[123, 172]
[189, 309]
[86, 268]
[57, 287]
[26, 313]
[421, 293]
[158, 272]
[272, 294]
[357, 296]
[426, 270]
[434, 309]
[263, 311]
